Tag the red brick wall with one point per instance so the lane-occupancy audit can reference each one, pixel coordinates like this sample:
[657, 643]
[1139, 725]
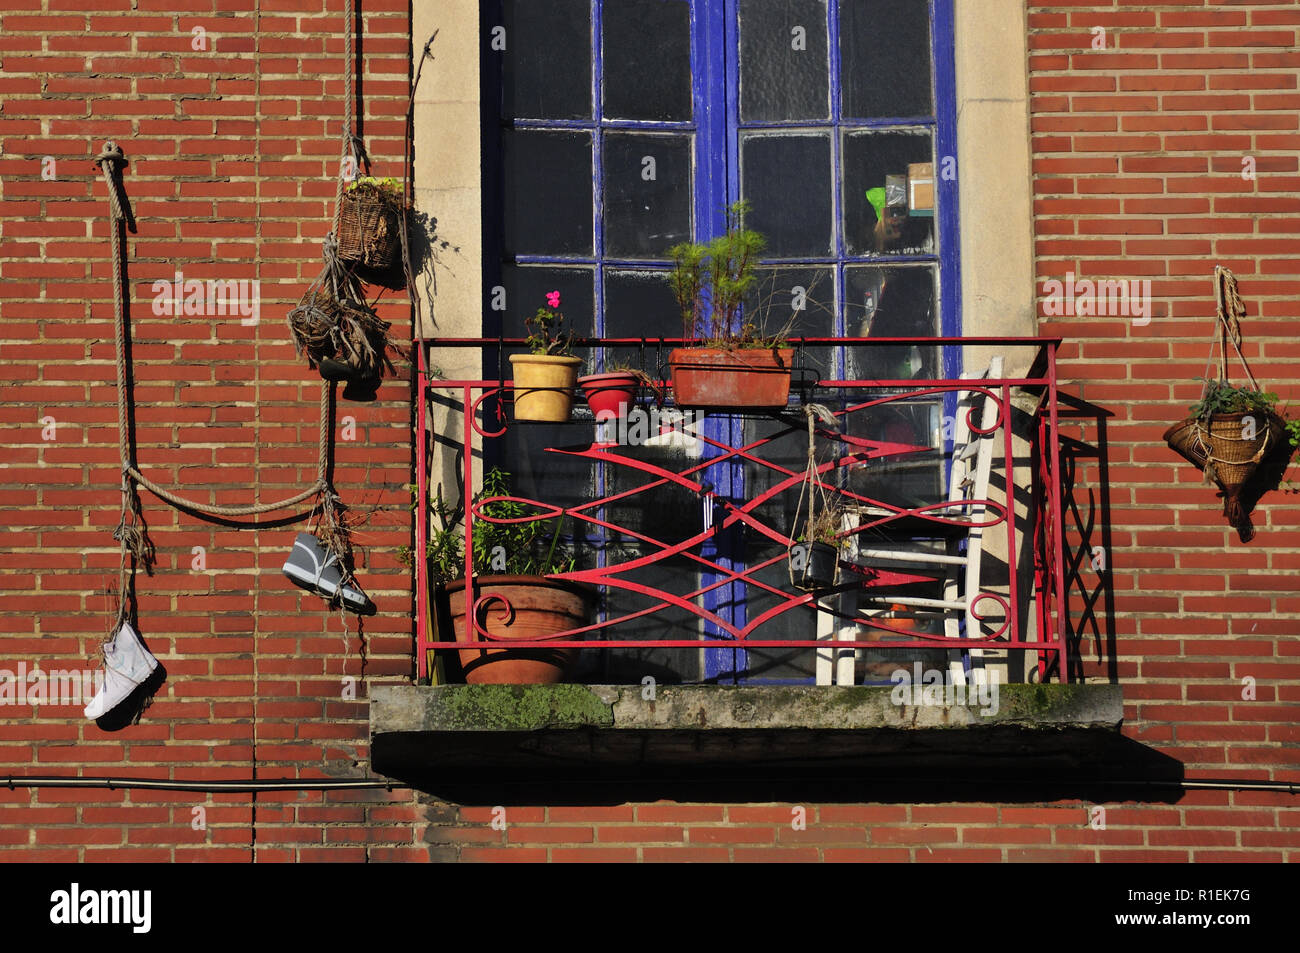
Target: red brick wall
[233, 152]
[1138, 153]
[1139, 173]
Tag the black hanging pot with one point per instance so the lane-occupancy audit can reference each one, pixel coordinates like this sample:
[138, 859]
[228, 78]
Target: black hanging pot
[813, 565]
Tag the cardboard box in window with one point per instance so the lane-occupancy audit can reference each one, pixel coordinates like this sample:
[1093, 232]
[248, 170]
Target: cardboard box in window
[920, 188]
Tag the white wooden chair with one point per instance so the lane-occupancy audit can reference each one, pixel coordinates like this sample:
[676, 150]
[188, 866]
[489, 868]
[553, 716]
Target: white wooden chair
[968, 487]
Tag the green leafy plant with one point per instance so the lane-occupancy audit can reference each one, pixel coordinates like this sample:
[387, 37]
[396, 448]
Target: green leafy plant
[548, 335]
[387, 190]
[387, 184]
[529, 548]
[1221, 397]
[710, 281]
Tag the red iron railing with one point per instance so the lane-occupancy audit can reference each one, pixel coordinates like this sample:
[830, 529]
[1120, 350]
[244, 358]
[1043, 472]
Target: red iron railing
[1040, 528]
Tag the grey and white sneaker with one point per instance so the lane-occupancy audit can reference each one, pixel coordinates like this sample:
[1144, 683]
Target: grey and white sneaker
[127, 665]
[317, 570]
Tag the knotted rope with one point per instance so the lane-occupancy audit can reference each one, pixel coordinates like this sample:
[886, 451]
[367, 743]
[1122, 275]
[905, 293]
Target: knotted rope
[1230, 309]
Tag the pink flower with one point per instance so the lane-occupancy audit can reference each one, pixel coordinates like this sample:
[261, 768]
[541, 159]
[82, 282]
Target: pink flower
[553, 299]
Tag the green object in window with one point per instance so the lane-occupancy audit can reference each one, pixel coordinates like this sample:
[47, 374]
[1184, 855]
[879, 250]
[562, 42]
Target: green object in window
[877, 199]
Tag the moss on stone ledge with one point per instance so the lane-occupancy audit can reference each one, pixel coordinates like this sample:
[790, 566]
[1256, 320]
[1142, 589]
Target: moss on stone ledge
[521, 707]
[540, 707]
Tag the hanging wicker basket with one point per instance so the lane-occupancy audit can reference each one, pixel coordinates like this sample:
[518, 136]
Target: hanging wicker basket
[1227, 448]
[369, 232]
[325, 327]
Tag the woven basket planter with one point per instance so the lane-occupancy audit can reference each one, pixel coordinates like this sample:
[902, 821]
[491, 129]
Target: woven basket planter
[323, 327]
[1227, 449]
[369, 232]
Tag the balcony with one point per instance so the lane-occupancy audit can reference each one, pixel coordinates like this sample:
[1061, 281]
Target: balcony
[680, 533]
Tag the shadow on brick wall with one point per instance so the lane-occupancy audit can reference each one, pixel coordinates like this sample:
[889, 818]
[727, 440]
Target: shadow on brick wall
[1088, 548]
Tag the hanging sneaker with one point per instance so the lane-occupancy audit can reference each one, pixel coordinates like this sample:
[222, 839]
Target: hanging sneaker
[127, 664]
[317, 570]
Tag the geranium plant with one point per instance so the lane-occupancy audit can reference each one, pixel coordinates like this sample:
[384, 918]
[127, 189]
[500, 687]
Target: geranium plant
[548, 334]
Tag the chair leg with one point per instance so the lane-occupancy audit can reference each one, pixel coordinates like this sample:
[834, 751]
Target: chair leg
[825, 632]
[845, 667]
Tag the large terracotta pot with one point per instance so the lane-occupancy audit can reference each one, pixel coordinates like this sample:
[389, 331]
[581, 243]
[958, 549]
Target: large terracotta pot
[544, 385]
[744, 377]
[537, 607]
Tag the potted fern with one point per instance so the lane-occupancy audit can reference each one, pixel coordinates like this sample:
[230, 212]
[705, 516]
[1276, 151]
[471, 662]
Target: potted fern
[547, 376]
[514, 592]
[739, 364]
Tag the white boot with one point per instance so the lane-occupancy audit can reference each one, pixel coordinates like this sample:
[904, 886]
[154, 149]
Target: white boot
[127, 664]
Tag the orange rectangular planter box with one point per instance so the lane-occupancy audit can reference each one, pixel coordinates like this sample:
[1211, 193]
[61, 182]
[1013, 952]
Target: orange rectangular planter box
[744, 377]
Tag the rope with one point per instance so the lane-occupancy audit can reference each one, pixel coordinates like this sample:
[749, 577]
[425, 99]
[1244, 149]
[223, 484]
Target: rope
[1230, 309]
[110, 162]
[353, 147]
[812, 485]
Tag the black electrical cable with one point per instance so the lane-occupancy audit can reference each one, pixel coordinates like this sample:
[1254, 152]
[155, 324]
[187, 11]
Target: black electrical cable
[292, 784]
[164, 784]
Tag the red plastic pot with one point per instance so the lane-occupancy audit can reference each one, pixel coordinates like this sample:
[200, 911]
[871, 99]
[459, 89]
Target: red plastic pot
[610, 396]
[537, 607]
[744, 377]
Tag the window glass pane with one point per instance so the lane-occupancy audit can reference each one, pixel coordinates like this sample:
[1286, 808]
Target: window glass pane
[891, 302]
[787, 179]
[647, 201]
[647, 59]
[548, 193]
[783, 60]
[885, 58]
[640, 304]
[797, 302]
[546, 62]
[881, 160]
[526, 289]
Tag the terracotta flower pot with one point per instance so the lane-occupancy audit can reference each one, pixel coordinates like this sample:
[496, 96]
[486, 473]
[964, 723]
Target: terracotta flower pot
[544, 385]
[744, 377]
[610, 396]
[537, 607]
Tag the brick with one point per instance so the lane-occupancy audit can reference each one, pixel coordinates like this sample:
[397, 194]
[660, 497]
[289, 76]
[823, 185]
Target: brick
[594, 855]
[639, 835]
